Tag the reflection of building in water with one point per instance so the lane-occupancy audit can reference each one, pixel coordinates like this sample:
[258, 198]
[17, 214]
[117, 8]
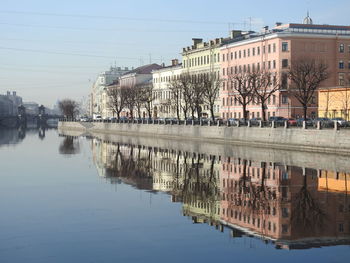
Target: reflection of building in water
[291, 206]
[284, 204]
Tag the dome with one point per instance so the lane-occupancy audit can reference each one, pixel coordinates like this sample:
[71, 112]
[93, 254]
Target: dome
[307, 20]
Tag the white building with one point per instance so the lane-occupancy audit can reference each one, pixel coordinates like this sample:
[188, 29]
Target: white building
[162, 79]
[98, 95]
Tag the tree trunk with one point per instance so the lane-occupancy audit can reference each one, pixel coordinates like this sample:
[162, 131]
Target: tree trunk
[263, 113]
[212, 112]
[305, 111]
[244, 106]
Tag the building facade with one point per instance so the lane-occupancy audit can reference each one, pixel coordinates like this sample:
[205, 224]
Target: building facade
[203, 58]
[274, 51]
[98, 96]
[162, 80]
[139, 77]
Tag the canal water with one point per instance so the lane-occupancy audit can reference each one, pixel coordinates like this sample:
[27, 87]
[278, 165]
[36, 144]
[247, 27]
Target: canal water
[65, 198]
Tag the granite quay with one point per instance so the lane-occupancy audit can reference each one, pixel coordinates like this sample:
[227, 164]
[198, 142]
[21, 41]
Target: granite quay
[277, 136]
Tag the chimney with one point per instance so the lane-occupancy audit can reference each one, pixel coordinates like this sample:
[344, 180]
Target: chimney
[278, 23]
[174, 62]
[197, 41]
[235, 33]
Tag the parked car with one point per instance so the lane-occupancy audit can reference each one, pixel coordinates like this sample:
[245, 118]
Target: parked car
[308, 121]
[292, 121]
[84, 119]
[98, 117]
[278, 120]
[232, 121]
[325, 122]
[255, 121]
[341, 122]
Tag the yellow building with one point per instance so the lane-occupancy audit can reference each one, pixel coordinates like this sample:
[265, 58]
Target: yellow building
[203, 58]
[334, 103]
[334, 182]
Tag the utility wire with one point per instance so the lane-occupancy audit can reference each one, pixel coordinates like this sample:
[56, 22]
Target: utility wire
[65, 53]
[115, 17]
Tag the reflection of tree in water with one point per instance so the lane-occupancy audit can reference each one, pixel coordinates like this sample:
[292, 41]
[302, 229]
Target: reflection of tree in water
[69, 145]
[136, 169]
[307, 212]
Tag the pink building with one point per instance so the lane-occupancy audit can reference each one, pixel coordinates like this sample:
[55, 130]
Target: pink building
[275, 50]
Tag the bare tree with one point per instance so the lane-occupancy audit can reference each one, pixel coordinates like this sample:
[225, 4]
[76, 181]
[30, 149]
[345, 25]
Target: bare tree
[243, 90]
[264, 84]
[186, 93]
[117, 99]
[196, 93]
[211, 87]
[69, 108]
[176, 95]
[148, 98]
[139, 99]
[306, 75]
[130, 100]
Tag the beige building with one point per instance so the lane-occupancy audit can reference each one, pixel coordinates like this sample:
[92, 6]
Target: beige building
[203, 58]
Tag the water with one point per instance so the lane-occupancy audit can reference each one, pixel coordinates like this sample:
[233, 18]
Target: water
[98, 199]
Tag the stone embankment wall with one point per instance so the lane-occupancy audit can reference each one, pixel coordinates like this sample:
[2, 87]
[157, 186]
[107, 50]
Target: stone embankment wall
[311, 140]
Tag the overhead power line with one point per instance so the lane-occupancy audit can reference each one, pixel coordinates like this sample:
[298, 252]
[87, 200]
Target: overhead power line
[115, 17]
[65, 53]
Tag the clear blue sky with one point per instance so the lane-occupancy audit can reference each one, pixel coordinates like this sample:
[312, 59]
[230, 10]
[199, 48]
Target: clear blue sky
[50, 49]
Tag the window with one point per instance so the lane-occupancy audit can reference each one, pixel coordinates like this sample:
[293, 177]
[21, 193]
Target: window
[258, 50]
[269, 48]
[218, 57]
[341, 227]
[239, 54]
[235, 54]
[284, 80]
[223, 72]
[244, 53]
[248, 52]
[285, 212]
[284, 228]
[341, 64]
[253, 51]
[269, 63]
[284, 63]
[273, 99]
[284, 99]
[313, 100]
[274, 64]
[231, 55]
[284, 46]
[223, 58]
[341, 79]
[274, 47]
[341, 48]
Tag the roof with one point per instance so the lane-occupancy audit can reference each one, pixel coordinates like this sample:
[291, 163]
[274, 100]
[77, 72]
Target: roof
[146, 69]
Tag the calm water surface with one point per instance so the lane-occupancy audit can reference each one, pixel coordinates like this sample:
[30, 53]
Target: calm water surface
[70, 199]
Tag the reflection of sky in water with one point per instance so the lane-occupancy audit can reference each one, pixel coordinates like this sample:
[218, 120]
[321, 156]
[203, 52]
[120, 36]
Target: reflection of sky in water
[57, 209]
